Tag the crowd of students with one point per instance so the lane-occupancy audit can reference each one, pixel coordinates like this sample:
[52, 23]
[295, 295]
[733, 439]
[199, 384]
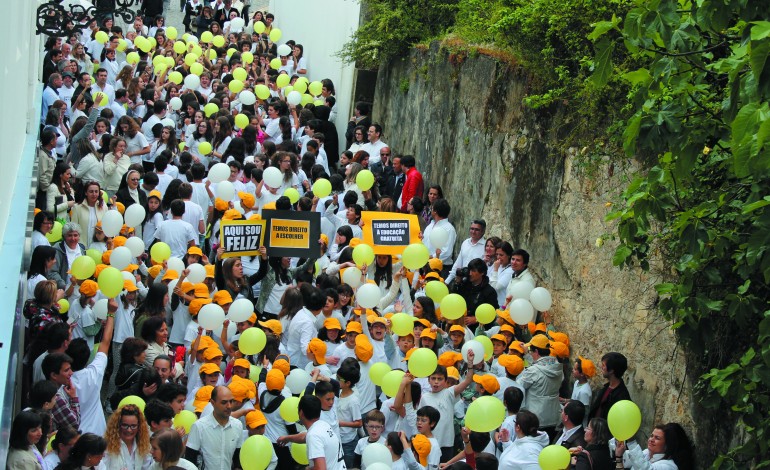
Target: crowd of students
[105, 378]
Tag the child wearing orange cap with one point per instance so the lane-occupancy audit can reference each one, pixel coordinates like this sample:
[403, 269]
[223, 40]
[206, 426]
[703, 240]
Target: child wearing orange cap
[404, 455]
[316, 354]
[347, 349]
[82, 315]
[331, 334]
[583, 370]
[364, 352]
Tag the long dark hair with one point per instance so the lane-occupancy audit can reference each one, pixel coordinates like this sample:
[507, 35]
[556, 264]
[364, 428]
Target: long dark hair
[40, 256]
[22, 424]
[384, 273]
[172, 192]
[236, 149]
[281, 273]
[88, 444]
[153, 303]
[678, 445]
[428, 309]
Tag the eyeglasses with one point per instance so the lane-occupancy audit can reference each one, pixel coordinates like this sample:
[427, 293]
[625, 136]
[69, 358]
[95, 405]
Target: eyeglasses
[130, 427]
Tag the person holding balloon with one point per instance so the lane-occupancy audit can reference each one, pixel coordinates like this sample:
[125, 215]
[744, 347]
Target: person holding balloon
[668, 448]
[595, 455]
[523, 452]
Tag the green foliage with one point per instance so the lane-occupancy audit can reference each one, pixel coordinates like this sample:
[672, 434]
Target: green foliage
[393, 26]
[701, 104]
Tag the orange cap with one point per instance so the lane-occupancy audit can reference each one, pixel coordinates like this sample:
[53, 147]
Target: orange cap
[560, 337]
[170, 275]
[517, 346]
[231, 214]
[156, 194]
[209, 368]
[421, 445]
[221, 205]
[196, 305]
[272, 325]
[332, 323]
[121, 208]
[449, 358]
[275, 380]
[318, 349]
[212, 353]
[201, 291]
[507, 328]
[155, 270]
[513, 364]
[118, 241]
[422, 321]
[355, 327]
[436, 264]
[202, 398]
[282, 365]
[457, 328]
[222, 298]
[129, 286]
[242, 389]
[587, 366]
[89, 288]
[453, 373]
[99, 269]
[428, 334]
[194, 250]
[499, 337]
[131, 268]
[559, 349]
[247, 199]
[243, 363]
[364, 349]
[255, 418]
[210, 271]
[106, 256]
[488, 382]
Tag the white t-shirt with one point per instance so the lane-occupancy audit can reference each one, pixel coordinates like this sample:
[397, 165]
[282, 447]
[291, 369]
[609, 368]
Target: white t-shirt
[364, 441]
[136, 143]
[444, 402]
[323, 443]
[365, 388]
[349, 409]
[176, 233]
[193, 215]
[88, 384]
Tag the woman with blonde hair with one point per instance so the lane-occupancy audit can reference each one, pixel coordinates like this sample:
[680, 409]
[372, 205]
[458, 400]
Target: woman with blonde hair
[128, 440]
[92, 204]
[116, 164]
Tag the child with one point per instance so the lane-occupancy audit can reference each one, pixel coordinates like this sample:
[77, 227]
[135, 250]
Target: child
[316, 353]
[345, 295]
[241, 368]
[486, 385]
[403, 345]
[347, 349]
[456, 339]
[428, 418]
[82, 314]
[349, 409]
[375, 423]
[512, 399]
[511, 366]
[327, 390]
[584, 369]
[153, 218]
[365, 388]
[428, 340]
[420, 324]
[400, 451]
[331, 334]
[382, 343]
[270, 398]
[499, 344]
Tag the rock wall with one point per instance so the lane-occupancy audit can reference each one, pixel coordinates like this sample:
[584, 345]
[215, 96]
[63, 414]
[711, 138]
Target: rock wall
[462, 117]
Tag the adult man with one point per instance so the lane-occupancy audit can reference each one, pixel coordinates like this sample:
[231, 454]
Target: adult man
[383, 170]
[178, 234]
[66, 90]
[395, 184]
[542, 380]
[303, 328]
[87, 378]
[51, 65]
[374, 145]
[573, 434]
[57, 367]
[471, 248]
[520, 265]
[218, 437]
[84, 83]
[101, 85]
[324, 448]
[614, 365]
[118, 106]
[159, 112]
[162, 365]
[222, 11]
[413, 186]
[440, 213]
[46, 162]
[475, 289]
[50, 94]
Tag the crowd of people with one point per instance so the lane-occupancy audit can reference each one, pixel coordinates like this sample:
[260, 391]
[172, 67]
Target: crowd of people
[105, 378]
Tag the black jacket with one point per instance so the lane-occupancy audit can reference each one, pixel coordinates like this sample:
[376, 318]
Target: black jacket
[577, 439]
[594, 457]
[600, 409]
[125, 198]
[476, 295]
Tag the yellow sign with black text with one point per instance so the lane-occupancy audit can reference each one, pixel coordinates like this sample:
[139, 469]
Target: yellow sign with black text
[287, 233]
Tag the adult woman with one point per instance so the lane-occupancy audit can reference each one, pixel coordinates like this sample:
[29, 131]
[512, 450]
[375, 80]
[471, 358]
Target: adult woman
[85, 65]
[222, 138]
[89, 212]
[26, 431]
[153, 305]
[276, 277]
[136, 142]
[359, 139]
[501, 272]
[201, 134]
[123, 79]
[87, 452]
[159, 24]
[129, 192]
[90, 167]
[109, 64]
[341, 240]
[434, 193]
[116, 165]
[128, 440]
[42, 309]
[291, 303]
[67, 251]
[350, 181]
[668, 448]
[54, 120]
[81, 130]
[523, 453]
[287, 163]
[235, 151]
[298, 63]
[166, 141]
[60, 196]
[596, 454]
[166, 449]
[43, 261]
[155, 332]
[62, 443]
[229, 275]
[41, 225]
[490, 250]
[133, 352]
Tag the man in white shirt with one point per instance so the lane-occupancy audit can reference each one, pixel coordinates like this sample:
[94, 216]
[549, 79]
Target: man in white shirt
[218, 437]
[175, 232]
[440, 211]
[471, 248]
[374, 145]
[102, 86]
[324, 449]
[520, 265]
[87, 378]
[118, 106]
[67, 90]
[303, 329]
[193, 213]
[159, 112]
[50, 94]
[199, 193]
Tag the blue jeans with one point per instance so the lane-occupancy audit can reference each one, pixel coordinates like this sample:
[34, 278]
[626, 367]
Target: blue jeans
[348, 448]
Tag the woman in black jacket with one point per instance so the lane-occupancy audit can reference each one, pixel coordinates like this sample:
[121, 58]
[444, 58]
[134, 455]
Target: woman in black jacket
[129, 191]
[596, 454]
[128, 380]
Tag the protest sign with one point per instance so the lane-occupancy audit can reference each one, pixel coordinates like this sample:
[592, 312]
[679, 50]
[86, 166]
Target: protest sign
[389, 232]
[241, 237]
[291, 233]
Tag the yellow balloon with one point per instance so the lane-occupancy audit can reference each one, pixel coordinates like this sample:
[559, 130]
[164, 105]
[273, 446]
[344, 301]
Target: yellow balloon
[289, 410]
[185, 419]
[160, 252]
[190, 58]
[275, 35]
[64, 304]
[153, 42]
[180, 47]
[486, 342]
[262, 92]
[299, 453]
[213, 54]
[322, 187]
[231, 51]
[315, 88]
[241, 121]
[365, 180]
[240, 74]
[318, 102]
[104, 102]
[207, 37]
[252, 341]
[300, 86]
[132, 58]
[436, 290]
[422, 362]
[122, 45]
[391, 381]
[259, 27]
[235, 86]
[282, 80]
[377, 372]
[161, 67]
[453, 306]
[110, 282]
[132, 400]
[83, 267]
[196, 49]
[175, 77]
[171, 33]
[256, 453]
[292, 194]
[485, 313]
[624, 419]
[363, 254]
[218, 41]
[204, 148]
[306, 99]
[402, 324]
[554, 457]
[170, 61]
[55, 234]
[102, 37]
[415, 256]
[181, 146]
[95, 255]
[485, 414]
[275, 63]
[196, 69]
[210, 108]
[247, 57]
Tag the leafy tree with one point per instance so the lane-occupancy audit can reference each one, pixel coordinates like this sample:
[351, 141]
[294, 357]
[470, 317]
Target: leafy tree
[700, 108]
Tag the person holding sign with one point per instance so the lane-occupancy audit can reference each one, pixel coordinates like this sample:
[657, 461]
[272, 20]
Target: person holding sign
[229, 275]
[276, 277]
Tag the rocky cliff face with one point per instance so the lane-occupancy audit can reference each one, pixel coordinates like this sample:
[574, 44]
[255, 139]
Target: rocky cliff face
[462, 118]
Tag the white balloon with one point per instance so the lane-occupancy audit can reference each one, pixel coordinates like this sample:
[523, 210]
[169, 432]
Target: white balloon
[247, 97]
[225, 190]
[438, 237]
[176, 264]
[127, 276]
[219, 172]
[522, 289]
[168, 122]
[375, 453]
[284, 50]
[352, 277]
[197, 273]
[273, 177]
[236, 24]
[176, 103]
[120, 257]
[135, 245]
[134, 215]
[368, 295]
[297, 380]
[478, 351]
[192, 82]
[101, 308]
[112, 222]
[172, 286]
[540, 299]
[521, 311]
[240, 310]
[211, 317]
[192, 39]
[294, 98]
